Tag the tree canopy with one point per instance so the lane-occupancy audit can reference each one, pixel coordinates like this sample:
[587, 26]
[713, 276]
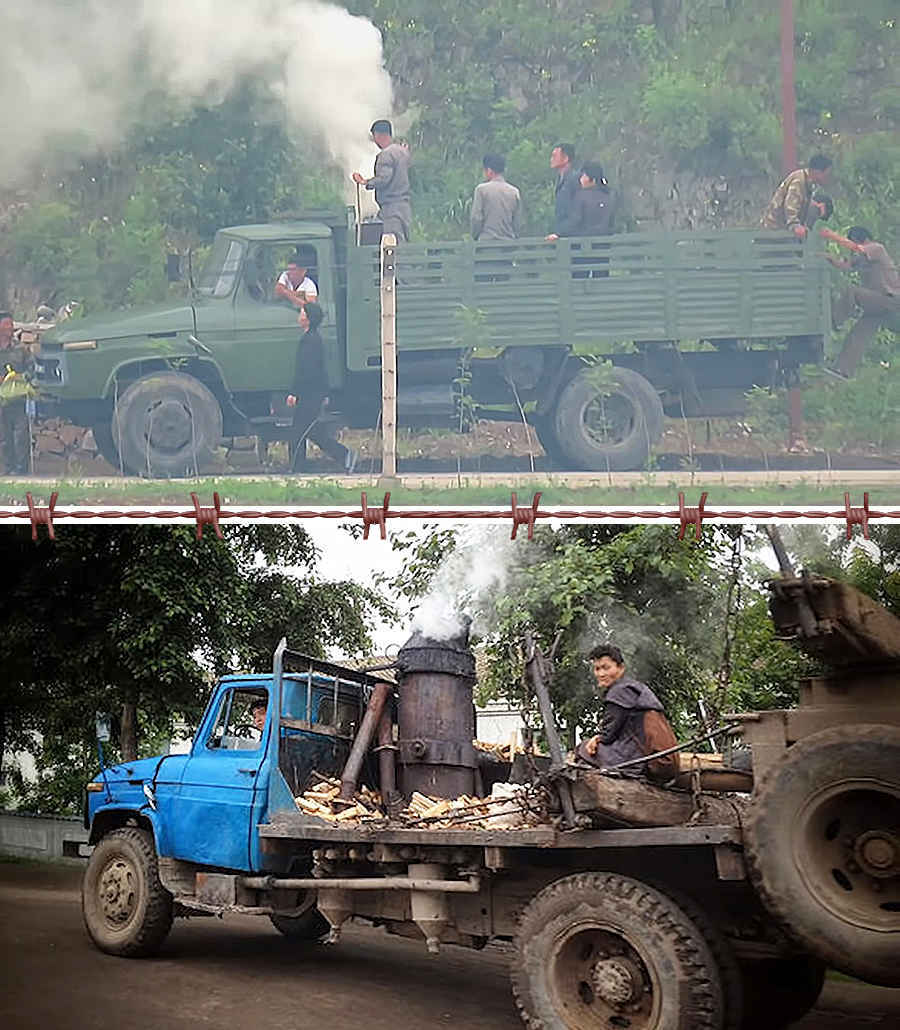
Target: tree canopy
[137, 620]
[692, 618]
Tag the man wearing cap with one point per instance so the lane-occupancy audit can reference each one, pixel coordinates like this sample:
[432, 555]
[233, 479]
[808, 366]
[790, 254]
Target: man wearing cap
[14, 388]
[877, 296]
[390, 181]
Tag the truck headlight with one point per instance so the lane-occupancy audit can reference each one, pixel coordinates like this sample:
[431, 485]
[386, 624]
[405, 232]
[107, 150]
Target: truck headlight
[80, 345]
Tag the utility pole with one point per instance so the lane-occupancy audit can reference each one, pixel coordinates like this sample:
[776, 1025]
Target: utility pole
[788, 94]
[789, 163]
[388, 362]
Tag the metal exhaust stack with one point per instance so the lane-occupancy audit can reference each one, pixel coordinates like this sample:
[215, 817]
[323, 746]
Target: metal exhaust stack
[436, 716]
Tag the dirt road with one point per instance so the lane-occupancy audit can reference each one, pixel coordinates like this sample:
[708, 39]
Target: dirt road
[240, 974]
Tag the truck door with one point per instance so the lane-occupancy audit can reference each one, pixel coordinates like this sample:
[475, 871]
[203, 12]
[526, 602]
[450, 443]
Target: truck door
[218, 804]
[266, 333]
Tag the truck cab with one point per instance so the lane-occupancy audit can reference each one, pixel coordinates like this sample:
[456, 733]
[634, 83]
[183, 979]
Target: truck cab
[204, 807]
[160, 386]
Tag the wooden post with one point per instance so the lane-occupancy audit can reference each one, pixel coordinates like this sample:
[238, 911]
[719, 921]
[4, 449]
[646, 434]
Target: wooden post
[388, 359]
[788, 95]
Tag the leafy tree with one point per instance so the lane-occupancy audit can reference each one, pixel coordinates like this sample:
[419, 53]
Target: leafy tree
[136, 621]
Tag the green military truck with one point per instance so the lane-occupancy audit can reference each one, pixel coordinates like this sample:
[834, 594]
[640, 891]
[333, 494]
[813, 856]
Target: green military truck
[688, 323]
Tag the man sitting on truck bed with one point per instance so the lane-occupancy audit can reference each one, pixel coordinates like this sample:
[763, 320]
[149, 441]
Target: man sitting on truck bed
[633, 723]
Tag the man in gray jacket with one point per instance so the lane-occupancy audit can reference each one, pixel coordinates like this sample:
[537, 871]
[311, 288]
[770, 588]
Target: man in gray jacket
[390, 181]
[496, 205]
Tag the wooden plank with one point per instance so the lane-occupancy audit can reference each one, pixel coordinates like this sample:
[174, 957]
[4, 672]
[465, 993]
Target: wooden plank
[289, 827]
[300, 828]
[660, 836]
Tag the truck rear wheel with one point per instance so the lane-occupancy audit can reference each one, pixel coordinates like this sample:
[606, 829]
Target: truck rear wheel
[822, 841]
[169, 424]
[599, 950]
[126, 909]
[612, 425]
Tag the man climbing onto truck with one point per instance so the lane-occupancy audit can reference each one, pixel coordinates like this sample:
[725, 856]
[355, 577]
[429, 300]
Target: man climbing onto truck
[633, 723]
[878, 296]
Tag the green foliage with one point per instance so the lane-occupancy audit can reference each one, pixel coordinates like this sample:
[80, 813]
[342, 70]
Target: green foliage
[703, 121]
[141, 619]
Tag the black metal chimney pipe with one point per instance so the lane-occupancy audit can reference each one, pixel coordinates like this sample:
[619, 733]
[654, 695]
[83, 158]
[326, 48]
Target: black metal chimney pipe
[436, 717]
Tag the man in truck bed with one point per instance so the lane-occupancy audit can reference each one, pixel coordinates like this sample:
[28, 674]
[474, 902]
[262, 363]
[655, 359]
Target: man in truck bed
[390, 181]
[633, 723]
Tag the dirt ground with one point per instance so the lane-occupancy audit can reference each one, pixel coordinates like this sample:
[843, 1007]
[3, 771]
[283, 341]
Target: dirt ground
[241, 974]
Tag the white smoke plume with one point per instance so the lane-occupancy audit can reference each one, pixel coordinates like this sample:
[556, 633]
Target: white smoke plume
[477, 569]
[80, 69]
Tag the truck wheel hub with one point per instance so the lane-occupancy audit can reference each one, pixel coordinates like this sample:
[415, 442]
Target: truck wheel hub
[117, 892]
[878, 853]
[169, 425]
[618, 981]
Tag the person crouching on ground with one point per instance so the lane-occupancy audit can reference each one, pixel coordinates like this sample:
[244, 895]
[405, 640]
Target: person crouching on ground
[633, 724]
[309, 397]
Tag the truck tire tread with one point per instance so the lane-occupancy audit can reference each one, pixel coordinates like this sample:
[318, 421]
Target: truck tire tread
[701, 1007]
[862, 750]
[155, 920]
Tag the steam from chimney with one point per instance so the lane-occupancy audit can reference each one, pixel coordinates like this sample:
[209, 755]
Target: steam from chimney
[465, 581]
[79, 72]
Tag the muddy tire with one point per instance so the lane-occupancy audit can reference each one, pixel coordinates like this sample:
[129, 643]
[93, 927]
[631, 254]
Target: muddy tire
[599, 950]
[780, 991]
[730, 971]
[169, 425]
[310, 926]
[126, 909]
[610, 428]
[822, 843]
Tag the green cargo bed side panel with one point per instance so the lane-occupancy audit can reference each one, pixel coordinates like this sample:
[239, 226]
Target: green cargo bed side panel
[743, 283]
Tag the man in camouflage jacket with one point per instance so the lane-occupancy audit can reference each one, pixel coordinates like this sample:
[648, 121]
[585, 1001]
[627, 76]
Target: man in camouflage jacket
[14, 388]
[789, 207]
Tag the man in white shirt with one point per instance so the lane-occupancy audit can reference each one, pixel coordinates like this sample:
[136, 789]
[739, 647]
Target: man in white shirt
[294, 285]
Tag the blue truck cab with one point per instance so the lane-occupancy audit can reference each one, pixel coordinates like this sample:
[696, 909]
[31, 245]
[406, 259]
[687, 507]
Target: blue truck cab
[162, 820]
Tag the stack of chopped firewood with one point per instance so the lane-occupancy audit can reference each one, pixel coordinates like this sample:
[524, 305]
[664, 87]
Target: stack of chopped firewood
[323, 800]
[465, 812]
[503, 752]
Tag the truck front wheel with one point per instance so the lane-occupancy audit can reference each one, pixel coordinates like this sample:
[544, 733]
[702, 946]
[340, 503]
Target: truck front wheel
[169, 424]
[607, 420]
[599, 950]
[126, 909]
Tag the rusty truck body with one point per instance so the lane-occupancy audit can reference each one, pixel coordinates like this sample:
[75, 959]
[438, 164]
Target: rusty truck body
[625, 903]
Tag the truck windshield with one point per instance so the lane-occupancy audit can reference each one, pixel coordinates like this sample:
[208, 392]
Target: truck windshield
[220, 271]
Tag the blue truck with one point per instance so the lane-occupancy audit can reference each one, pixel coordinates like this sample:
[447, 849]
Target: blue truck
[653, 907]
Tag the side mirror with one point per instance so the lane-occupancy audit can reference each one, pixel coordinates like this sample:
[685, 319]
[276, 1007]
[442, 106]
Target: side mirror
[173, 268]
[102, 723]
